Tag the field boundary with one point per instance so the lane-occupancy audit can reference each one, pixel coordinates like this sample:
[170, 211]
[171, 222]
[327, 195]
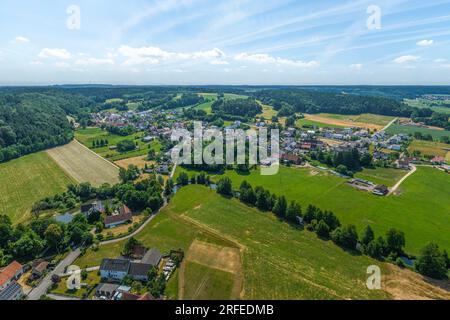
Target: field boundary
[106, 160]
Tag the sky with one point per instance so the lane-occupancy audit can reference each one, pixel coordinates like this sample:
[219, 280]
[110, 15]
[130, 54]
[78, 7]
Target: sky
[199, 42]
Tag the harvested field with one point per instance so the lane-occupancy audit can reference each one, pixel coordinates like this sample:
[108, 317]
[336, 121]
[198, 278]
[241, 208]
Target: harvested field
[341, 122]
[137, 161]
[84, 165]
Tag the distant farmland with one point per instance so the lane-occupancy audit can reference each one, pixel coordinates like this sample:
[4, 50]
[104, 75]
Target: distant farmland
[26, 180]
[84, 165]
[436, 134]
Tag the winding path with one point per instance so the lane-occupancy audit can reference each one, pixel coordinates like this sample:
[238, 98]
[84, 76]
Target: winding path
[406, 176]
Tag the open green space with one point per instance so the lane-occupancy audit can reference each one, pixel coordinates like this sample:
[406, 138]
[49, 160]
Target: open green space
[421, 211]
[87, 291]
[438, 106]
[386, 176]
[89, 135]
[364, 118]
[205, 283]
[26, 180]
[279, 261]
[311, 123]
[436, 134]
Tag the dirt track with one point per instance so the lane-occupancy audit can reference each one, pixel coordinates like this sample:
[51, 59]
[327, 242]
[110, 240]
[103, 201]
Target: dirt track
[84, 165]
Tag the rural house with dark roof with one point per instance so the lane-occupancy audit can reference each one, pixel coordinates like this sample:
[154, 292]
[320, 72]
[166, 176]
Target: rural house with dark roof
[115, 269]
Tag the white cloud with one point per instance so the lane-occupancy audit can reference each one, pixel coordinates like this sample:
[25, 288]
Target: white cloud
[62, 65]
[55, 53]
[266, 59]
[405, 59]
[219, 62]
[356, 66]
[20, 39]
[425, 43]
[94, 62]
[153, 55]
[439, 60]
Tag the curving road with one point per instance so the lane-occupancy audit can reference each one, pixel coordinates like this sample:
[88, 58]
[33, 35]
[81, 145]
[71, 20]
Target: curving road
[406, 176]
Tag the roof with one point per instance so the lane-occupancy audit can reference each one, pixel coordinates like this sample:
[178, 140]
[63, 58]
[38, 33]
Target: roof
[41, 267]
[152, 257]
[10, 291]
[139, 269]
[131, 296]
[119, 265]
[381, 187]
[121, 217]
[124, 210]
[107, 287]
[9, 272]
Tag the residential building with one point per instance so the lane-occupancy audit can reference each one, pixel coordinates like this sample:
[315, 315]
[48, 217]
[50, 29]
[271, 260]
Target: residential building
[13, 291]
[139, 271]
[122, 217]
[9, 274]
[152, 257]
[115, 269]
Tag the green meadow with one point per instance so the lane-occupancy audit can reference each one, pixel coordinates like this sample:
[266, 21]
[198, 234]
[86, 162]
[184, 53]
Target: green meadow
[279, 261]
[436, 134]
[26, 180]
[422, 210]
[386, 176]
[89, 135]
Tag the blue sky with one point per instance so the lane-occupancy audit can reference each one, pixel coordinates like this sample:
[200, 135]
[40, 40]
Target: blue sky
[224, 42]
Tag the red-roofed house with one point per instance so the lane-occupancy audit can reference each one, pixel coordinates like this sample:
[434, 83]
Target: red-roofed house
[438, 160]
[118, 219]
[10, 273]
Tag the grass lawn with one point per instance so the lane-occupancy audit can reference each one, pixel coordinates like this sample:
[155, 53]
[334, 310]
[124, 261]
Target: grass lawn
[88, 135]
[26, 180]
[204, 283]
[429, 148]
[422, 210]
[91, 281]
[436, 134]
[268, 111]
[386, 176]
[171, 291]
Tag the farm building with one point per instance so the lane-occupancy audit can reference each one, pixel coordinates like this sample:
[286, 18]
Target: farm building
[380, 190]
[122, 217]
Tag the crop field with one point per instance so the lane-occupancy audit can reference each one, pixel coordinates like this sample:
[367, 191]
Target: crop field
[422, 210]
[430, 148]
[386, 176]
[311, 123]
[436, 134]
[89, 135]
[83, 165]
[26, 180]
[368, 121]
[438, 106]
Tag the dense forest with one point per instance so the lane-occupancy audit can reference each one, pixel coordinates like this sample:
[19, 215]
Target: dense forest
[237, 107]
[30, 122]
[318, 102]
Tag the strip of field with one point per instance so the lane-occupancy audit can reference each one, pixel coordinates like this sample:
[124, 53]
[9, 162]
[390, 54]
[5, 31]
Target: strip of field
[429, 148]
[26, 180]
[363, 121]
[83, 165]
[436, 134]
[422, 210]
[386, 176]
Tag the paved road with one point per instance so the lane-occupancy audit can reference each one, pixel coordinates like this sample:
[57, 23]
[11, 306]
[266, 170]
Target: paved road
[41, 289]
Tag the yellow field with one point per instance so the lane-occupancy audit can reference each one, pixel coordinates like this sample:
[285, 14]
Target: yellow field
[429, 148]
[83, 165]
[345, 121]
[139, 162]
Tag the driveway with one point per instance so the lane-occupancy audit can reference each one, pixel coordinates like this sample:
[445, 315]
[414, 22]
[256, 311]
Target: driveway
[41, 289]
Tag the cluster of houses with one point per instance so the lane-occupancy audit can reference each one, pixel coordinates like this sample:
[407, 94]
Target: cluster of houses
[10, 289]
[113, 271]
